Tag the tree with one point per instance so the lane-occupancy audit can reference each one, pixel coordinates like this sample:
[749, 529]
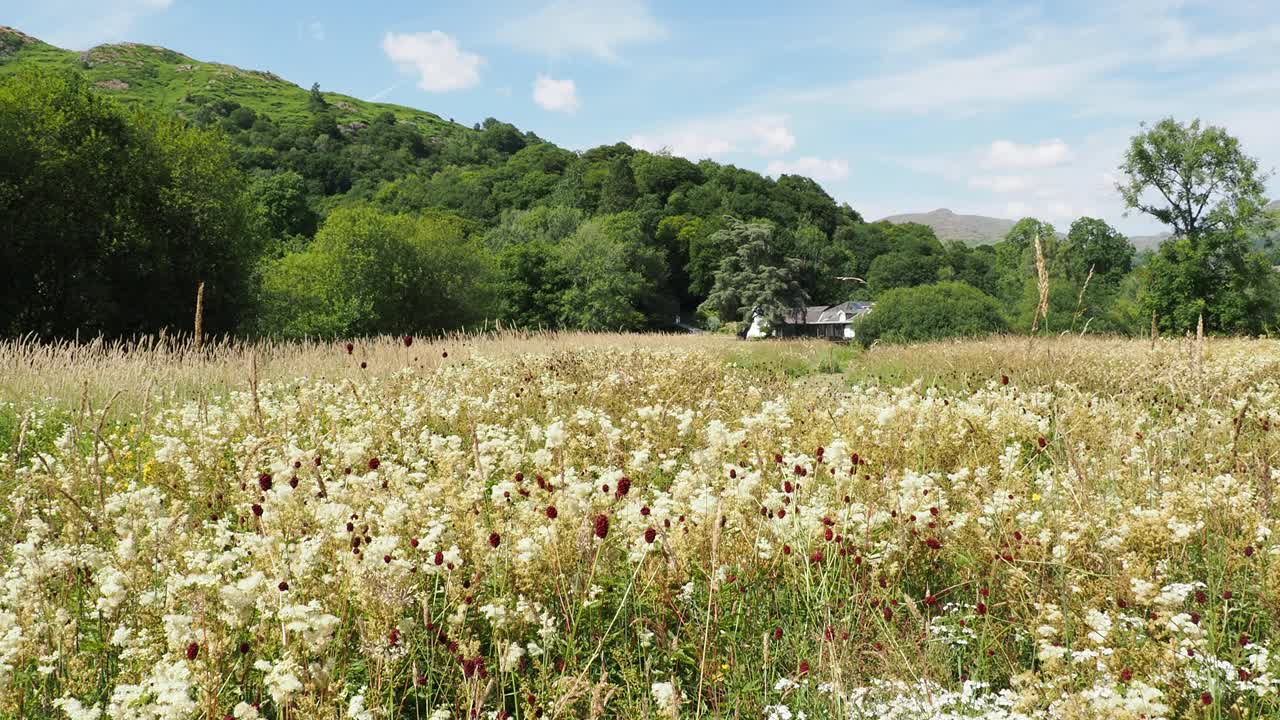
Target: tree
[111, 218]
[902, 269]
[614, 280]
[316, 101]
[368, 272]
[756, 276]
[931, 312]
[282, 204]
[1094, 246]
[1199, 182]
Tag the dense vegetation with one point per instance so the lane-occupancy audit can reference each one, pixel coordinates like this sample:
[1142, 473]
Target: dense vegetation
[308, 214]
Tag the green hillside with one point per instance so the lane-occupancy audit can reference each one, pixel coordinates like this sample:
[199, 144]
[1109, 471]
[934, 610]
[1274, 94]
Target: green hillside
[161, 79]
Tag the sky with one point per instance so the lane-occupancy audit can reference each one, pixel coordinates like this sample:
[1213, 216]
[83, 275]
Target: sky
[1006, 109]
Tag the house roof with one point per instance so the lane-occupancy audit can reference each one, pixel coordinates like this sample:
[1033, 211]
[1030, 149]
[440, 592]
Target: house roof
[840, 314]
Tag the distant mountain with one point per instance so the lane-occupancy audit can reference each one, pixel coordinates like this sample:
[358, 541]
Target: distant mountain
[968, 229]
[975, 230]
[157, 78]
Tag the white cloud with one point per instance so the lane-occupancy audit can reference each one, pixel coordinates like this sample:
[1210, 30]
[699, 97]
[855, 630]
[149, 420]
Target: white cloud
[85, 23]
[811, 167]
[764, 135]
[1018, 74]
[999, 183]
[555, 95]
[316, 29]
[1007, 154]
[440, 64]
[919, 36]
[594, 27]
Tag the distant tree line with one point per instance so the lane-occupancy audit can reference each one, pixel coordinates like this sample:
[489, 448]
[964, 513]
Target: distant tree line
[111, 217]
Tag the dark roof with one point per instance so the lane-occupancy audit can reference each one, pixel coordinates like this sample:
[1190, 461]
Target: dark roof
[840, 314]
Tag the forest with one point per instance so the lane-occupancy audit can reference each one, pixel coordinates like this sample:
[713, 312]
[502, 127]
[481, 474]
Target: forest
[302, 226]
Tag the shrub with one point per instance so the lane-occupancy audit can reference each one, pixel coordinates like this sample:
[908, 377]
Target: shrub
[930, 312]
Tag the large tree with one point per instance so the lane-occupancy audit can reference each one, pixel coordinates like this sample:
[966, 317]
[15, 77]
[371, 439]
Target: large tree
[109, 219]
[1199, 181]
[756, 277]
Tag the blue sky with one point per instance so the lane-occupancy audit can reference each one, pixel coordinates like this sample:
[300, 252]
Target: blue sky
[1004, 109]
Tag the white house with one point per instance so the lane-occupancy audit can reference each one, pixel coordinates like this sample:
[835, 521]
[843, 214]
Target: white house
[828, 321]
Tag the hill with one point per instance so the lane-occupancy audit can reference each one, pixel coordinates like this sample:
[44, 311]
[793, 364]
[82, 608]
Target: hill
[968, 229]
[161, 79]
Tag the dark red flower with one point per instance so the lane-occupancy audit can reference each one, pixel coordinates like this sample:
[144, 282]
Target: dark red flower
[386, 559]
[364, 365]
[930, 600]
[786, 549]
[552, 512]
[393, 638]
[624, 486]
[293, 482]
[1248, 551]
[933, 543]
[1201, 597]
[413, 542]
[1004, 379]
[602, 526]
[981, 608]
[350, 348]
[495, 539]
[284, 585]
[1226, 594]
[650, 535]
[408, 340]
[439, 558]
[1242, 674]
[445, 354]
[264, 482]
[777, 633]
[1244, 640]
[816, 558]
[1206, 698]
[374, 463]
[244, 648]
[804, 667]
[1126, 675]
[645, 511]
[1041, 442]
[257, 510]
[193, 650]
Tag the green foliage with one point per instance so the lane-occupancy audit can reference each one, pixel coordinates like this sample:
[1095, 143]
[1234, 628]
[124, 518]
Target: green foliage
[931, 312]
[111, 219]
[1093, 246]
[756, 277]
[901, 269]
[612, 237]
[1200, 183]
[368, 272]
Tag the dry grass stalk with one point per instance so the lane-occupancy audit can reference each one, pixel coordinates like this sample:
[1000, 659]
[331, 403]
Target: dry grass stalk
[199, 331]
[1042, 280]
[1080, 302]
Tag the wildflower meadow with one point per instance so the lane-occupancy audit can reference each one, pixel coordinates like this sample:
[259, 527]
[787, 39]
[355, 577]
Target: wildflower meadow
[611, 527]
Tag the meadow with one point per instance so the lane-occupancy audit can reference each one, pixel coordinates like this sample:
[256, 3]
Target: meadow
[590, 526]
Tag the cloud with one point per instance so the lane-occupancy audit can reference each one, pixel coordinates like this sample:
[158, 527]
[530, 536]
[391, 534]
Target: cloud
[593, 27]
[440, 64]
[764, 135]
[555, 95]
[316, 30]
[811, 167]
[1007, 154]
[84, 23]
[919, 36]
[999, 183]
[1019, 74]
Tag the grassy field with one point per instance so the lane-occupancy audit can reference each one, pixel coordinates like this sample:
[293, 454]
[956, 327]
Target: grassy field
[567, 526]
